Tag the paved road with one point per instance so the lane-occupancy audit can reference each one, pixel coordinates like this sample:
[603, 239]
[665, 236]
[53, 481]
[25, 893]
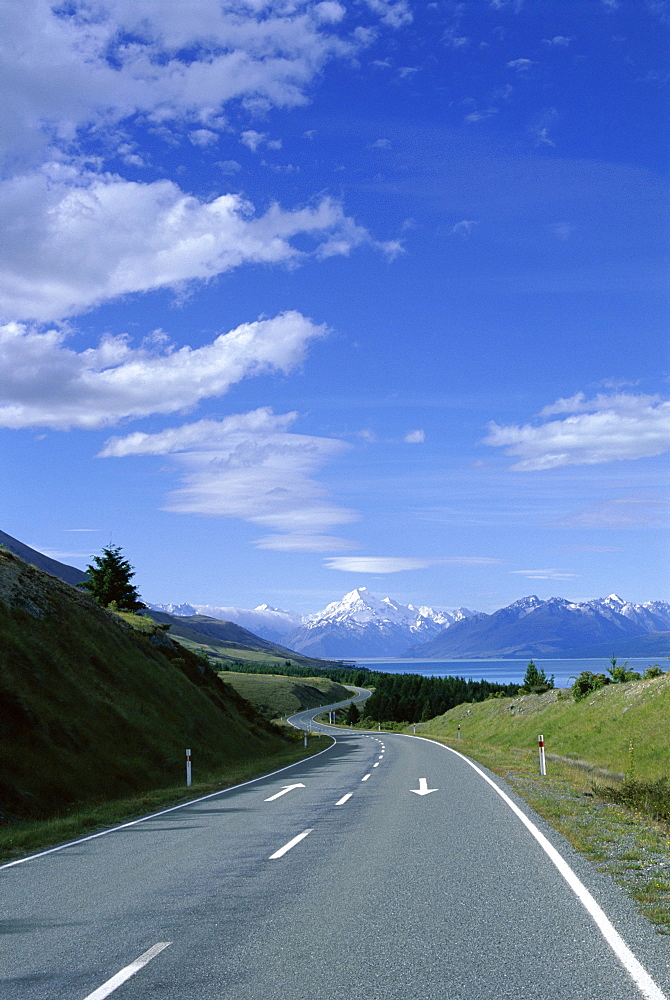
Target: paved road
[385, 894]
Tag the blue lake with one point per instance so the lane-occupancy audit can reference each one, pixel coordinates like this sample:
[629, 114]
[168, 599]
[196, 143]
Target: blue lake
[507, 671]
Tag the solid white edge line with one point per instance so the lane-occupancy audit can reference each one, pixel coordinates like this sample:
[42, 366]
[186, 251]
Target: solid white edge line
[130, 970]
[345, 798]
[163, 812]
[287, 847]
[631, 964]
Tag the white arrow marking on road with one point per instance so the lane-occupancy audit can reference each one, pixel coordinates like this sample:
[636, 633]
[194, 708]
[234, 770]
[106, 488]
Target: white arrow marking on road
[285, 789]
[423, 788]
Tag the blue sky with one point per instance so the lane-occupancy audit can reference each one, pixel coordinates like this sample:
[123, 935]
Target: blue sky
[298, 297]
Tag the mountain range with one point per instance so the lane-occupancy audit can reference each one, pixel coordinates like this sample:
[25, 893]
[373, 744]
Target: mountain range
[362, 625]
[551, 628]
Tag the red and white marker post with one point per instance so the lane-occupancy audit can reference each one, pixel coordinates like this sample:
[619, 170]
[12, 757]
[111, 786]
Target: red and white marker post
[543, 764]
[188, 768]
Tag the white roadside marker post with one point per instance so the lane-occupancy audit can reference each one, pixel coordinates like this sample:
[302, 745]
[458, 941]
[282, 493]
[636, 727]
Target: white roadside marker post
[188, 768]
[415, 728]
[304, 740]
[543, 765]
[458, 732]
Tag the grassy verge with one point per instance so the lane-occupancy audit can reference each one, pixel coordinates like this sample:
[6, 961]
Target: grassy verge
[20, 838]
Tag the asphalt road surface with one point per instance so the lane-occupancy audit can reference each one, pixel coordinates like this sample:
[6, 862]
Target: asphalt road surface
[331, 880]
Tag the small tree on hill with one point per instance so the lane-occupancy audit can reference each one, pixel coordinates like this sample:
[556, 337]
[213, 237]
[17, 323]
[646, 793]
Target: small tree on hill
[353, 715]
[109, 581]
[535, 680]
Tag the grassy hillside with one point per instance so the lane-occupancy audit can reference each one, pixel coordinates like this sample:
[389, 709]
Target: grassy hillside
[597, 729]
[91, 709]
[274, 695]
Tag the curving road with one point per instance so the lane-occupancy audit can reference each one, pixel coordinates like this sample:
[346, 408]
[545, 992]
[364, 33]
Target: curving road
[385, 868]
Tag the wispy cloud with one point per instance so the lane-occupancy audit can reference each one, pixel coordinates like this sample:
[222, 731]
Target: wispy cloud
[620, 513]
[544, 574]
[560, 41]
[604, 429]
[520, 65]
[415, 437]
[398, 564]
[250, 466]
[464, 227]
[48, 384]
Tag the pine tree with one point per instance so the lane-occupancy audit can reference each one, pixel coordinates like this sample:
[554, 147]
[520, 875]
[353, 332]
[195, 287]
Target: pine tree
[109, 581]
[353, 715]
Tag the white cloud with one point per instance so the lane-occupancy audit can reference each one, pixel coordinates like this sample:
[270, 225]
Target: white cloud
[559, 40]
[464, 227]
[415, 437]
[397, 564]
[203, 137]
[46, 383]
[250, 466]
[380, 144]
[604, 429]
[116, 59]
[394, 13]
[253, 140]
[544, 574]
[480, 116]
[376, 564]
[305, 543]
[229, 166]
[80, 239]
[521, 65]
[329, 12]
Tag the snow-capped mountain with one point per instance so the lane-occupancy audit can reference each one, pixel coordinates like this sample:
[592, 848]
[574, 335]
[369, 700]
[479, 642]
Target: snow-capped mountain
[364, 625]
[264, 621]
[361, 624]
[531, 627]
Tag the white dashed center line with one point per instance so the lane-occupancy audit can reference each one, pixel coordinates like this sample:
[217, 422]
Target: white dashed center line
[287, 847]
[130, 970]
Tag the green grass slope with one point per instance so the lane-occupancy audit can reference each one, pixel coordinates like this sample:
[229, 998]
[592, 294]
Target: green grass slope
[274, 695]
[92, 709]
[597, 730]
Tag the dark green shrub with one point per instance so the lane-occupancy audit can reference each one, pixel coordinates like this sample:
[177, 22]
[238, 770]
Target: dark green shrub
[587, 682]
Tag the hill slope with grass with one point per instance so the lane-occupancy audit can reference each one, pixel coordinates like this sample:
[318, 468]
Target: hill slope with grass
[274, 695]
[597, 730]
[91, 709]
